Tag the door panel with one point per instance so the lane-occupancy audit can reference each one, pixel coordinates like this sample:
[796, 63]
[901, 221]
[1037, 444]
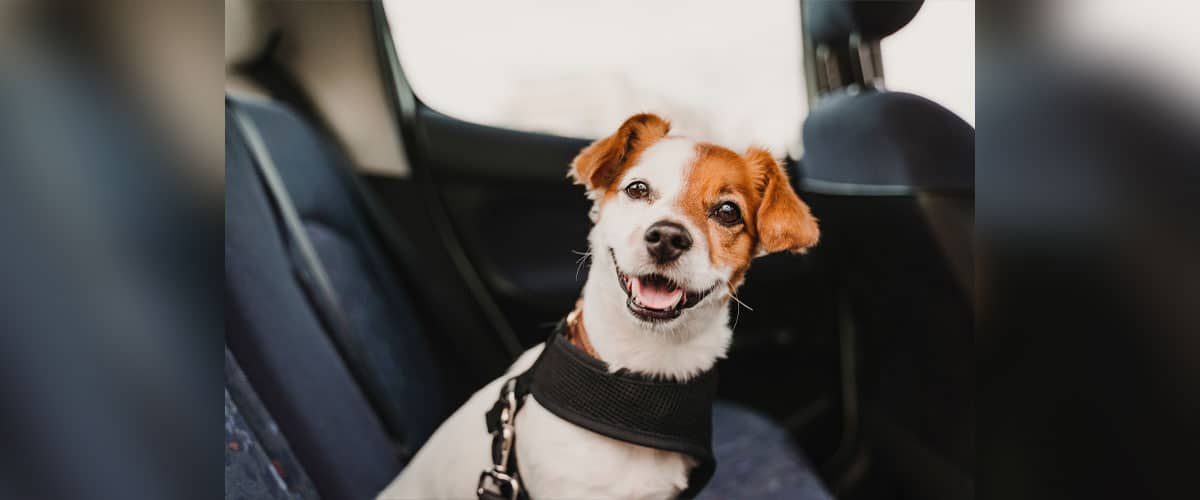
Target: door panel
[456, 148]
[523, 240]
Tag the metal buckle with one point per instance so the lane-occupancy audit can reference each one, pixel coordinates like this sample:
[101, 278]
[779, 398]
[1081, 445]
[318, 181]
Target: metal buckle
[507, 430]
[510, 395]
[498, 473]
[501, 481]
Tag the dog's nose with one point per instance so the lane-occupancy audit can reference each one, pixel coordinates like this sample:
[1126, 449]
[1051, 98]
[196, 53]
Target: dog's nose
[666, 241]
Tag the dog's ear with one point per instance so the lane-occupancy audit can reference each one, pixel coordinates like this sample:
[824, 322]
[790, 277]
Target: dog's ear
[782, 220]
[602, 163]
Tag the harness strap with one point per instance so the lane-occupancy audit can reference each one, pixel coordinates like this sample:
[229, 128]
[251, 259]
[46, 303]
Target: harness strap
[660, 414]
[503, 477]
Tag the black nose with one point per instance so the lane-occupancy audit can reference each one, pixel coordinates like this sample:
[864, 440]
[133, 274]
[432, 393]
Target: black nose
[666, 241]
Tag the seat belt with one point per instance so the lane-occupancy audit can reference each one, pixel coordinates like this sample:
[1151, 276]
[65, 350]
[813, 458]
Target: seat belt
[314, 279]
[379, 221]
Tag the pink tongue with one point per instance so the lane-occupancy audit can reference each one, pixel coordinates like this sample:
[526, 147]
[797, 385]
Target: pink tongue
[654, 296]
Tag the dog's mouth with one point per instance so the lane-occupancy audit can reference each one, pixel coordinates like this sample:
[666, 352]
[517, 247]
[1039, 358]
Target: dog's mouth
[654, 297]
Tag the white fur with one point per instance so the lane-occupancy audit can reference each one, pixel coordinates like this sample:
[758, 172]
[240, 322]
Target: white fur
[682, 347]
[558, 459]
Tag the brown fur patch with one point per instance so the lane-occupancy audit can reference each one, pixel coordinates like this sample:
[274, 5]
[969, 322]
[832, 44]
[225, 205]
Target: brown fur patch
[773, 217]
[784, 222]
[600, 164]
[719, 175]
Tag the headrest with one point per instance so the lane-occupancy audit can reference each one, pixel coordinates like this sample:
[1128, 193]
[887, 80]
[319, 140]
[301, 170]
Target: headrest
[832, 22]
[873, 142]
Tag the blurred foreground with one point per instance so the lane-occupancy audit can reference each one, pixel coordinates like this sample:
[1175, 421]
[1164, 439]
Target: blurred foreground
[1088, 190]
[111, 211]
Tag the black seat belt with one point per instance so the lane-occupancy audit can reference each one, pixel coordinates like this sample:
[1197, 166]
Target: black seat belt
[314, 279]
[379, 220]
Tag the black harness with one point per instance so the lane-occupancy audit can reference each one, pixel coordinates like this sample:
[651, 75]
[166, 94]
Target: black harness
[578, 388]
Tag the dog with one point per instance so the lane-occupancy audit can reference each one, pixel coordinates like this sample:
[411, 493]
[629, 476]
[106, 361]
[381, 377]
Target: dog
[676, 224]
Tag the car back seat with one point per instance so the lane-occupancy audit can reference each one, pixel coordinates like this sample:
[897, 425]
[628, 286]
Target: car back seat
[278, 336]
[298, 425]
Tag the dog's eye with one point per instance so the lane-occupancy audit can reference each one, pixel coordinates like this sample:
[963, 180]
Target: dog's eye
[727, 214]
[637, 190]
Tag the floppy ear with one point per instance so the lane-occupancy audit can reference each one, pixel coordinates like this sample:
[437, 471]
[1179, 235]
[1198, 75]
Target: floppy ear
[783, 221]
[601, 164]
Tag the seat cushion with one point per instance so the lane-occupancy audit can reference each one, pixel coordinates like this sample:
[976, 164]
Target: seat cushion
[281, 346]
[248, 471]
[373, 300]
[756, 459]
[259, 462]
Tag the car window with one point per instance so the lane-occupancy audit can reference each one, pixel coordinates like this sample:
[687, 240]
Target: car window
[934, 56]
[729, 72]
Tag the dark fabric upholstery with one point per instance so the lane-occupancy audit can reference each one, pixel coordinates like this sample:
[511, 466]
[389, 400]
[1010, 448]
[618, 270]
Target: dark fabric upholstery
[757, 460]
[833, 21]
[248, 472]
[279, 342]
[372, 299]
[887, 139]
[251, 436]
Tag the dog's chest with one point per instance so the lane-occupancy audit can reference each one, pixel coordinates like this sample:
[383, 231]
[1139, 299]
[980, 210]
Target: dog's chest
[556, 458]
[559, 459]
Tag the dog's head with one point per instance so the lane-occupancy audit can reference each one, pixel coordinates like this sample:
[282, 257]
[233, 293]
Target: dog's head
[678, 221]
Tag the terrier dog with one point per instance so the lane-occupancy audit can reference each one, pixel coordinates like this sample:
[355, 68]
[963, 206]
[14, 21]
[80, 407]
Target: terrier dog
[676, 224]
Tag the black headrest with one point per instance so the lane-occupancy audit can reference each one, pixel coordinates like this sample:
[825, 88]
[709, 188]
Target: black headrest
[886, 143]
[833, 21]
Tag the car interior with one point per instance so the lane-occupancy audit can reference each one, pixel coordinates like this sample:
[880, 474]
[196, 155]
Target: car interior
[385, 260]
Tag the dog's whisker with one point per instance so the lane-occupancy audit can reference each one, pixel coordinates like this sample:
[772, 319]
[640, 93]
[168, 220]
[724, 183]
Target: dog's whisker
[737, 315]
[583, 257]
[739, 301]
[737, 312]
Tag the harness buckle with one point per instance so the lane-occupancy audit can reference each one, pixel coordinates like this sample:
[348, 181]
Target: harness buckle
[508, 429]
[510, 395]
[506, 485]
